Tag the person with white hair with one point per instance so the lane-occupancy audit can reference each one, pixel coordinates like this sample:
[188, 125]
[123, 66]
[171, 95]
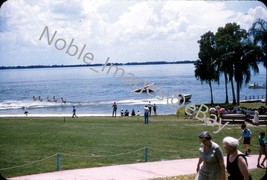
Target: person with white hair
[237, 165]
[211, 155]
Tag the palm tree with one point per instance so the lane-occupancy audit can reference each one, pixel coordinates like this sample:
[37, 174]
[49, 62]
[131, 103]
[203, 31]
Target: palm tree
[245, 63]
[236, 57]
[225, 57]
[259, 35]
[205, 66]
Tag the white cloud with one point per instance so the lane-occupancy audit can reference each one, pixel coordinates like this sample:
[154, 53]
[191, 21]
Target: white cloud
[122, 30]
[246, 19]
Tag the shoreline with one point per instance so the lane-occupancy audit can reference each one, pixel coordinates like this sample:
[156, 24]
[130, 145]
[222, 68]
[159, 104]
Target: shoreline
[54, 115]
[70, 115]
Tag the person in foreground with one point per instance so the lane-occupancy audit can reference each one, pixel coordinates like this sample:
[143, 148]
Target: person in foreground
[211, 155]
[236, 165]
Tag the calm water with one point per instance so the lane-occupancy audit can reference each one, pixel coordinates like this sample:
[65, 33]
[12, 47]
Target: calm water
[93, 91]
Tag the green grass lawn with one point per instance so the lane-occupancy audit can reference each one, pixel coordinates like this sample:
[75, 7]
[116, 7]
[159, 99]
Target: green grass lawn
[100, 141]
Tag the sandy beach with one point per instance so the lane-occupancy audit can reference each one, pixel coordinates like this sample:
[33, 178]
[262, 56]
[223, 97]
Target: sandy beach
[52, 115]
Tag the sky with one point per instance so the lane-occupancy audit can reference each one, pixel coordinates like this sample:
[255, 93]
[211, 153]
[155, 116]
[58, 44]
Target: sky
[123, 31]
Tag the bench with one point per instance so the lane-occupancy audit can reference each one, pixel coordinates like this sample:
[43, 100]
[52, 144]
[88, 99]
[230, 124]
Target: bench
[233, 118]
[262, 119]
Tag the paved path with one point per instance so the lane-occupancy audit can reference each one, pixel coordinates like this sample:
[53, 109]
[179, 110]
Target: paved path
[139, 171]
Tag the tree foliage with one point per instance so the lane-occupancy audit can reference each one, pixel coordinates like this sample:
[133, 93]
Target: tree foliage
[205, 67]
[233, 52]
[258, 32]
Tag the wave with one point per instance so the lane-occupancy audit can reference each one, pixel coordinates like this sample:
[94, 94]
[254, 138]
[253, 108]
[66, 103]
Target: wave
[30, 104]
[17, 104]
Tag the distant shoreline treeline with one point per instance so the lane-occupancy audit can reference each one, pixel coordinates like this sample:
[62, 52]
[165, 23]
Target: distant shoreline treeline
[86, 65]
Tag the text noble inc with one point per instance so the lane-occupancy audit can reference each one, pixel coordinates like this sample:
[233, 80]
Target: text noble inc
[71, 48]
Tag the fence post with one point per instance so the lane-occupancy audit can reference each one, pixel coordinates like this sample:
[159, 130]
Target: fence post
[58, 162]
[146, 154]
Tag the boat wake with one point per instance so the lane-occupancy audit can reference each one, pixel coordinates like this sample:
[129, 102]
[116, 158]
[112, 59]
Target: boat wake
[30, 104]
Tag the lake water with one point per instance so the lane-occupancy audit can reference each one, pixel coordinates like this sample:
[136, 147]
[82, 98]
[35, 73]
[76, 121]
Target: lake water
[94, 89]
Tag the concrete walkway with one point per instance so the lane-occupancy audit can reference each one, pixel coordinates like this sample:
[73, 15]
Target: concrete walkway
[139, 171]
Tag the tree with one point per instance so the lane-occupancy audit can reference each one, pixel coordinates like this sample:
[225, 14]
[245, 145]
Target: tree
[236, 57]
[258, 31]
[205, 66]
[245, 62]
[225, 50]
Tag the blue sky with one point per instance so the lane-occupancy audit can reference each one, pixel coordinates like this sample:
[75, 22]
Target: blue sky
[124, 31]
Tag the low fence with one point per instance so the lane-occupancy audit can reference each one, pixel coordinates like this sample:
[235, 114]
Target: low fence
[59, 155]
[252, 97]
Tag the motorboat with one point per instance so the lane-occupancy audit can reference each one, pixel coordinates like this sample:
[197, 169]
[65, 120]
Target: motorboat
[185, 97]
[256, 86]
[182, 97]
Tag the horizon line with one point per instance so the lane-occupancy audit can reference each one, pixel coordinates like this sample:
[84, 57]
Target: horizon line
[97, 64]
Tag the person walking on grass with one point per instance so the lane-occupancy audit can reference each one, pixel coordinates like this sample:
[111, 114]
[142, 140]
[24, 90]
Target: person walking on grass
[74, 112]
[262, 150]
[211, 155]
[246, 134]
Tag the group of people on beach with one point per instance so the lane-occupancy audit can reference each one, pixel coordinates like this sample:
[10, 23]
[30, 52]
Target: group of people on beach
[147, 111]
[212, 158]
[122, 112]
[48, 99]
[127, 113]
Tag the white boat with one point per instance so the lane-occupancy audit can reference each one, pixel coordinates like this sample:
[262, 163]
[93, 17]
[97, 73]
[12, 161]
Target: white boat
[182, 97]
[186, 97]
[256, 86]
